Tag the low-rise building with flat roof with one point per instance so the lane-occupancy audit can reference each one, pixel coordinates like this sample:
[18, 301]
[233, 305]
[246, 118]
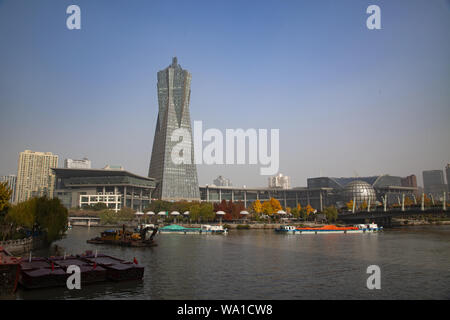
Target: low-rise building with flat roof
[115, 188]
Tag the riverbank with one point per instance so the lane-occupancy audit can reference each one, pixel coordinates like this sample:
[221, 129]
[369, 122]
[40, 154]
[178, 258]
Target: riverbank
[396, 222]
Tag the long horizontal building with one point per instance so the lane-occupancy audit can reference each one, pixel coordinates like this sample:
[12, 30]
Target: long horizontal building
[318, 198]
[320, 193]
[115, 188]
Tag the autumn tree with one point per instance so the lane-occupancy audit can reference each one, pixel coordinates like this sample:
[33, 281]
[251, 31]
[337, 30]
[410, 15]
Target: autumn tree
[309, 210]
[257, 207]
[364, 205]
[349, 205]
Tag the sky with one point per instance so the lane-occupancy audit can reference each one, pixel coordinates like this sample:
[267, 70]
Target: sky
[348, 101]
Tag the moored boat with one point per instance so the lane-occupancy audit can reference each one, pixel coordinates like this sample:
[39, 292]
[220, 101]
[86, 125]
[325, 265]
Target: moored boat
[204, 229]
[143, 238]
[9, 272]
[117, 269]
[286, 229]
[41, 273]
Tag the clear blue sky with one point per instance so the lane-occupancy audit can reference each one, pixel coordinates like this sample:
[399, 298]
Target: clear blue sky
[347, 100]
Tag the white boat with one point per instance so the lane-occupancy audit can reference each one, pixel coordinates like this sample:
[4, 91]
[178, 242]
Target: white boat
[206, 228]
[287, 229]
[371, 227]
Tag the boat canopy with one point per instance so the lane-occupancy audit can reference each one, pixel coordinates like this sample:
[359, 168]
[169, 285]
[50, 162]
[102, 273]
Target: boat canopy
[175, 227]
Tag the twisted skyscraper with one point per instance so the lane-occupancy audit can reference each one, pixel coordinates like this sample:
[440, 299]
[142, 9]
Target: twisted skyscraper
[174, 181]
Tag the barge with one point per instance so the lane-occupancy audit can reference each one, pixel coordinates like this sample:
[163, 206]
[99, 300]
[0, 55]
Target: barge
[38, 273]
[143, 238]
[360, 228]
[9, 272]
[204, 229]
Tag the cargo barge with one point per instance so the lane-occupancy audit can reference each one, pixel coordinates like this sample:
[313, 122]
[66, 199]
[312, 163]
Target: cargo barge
[9, 273]
[38, 273]
[143, 238]
[360, 228]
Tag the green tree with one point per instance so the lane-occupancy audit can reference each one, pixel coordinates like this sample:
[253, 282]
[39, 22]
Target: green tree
[207, 211]
[194, 211]
[331, 213]
[48, 215]
[5, 195]
[51, 217]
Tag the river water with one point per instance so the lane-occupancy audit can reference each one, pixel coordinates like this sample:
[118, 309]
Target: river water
[260, 264]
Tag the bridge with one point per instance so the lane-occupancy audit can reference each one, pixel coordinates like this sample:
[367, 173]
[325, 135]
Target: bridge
[384, 218]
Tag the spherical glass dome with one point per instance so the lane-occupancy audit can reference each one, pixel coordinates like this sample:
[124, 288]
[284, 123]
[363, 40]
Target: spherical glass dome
[360, 192]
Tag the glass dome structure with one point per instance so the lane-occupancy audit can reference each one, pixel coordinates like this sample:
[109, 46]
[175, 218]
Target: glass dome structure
[360, 192]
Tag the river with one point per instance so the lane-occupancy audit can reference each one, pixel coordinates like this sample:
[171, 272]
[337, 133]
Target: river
[260, 264]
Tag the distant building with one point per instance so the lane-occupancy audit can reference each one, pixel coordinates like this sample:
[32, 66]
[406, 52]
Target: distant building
[175, 181]
[280, 181]
[11, 180]
[385, 186]
[447, 174]
[115, 188]
[222, 182]
[410, 181]
[84, 163]
[34, 175]
[433, 183]
[113, 167]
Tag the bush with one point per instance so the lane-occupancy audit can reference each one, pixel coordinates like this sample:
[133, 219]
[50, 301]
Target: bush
[243, 226]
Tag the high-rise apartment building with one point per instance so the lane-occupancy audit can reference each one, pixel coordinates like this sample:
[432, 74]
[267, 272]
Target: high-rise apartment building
[34, 175]
[84, 163]
[175, 181]
[409, 181]
[433, 182]
[280, 181]
[11, 180]
[222, 182]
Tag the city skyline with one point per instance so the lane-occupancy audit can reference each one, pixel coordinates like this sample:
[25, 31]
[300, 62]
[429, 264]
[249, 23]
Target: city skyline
[335, 94]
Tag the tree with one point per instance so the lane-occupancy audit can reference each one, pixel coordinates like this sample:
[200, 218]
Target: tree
[51, 217]
[349, 205]
[331, 213]
[194, 211]
[5, 195]
[309, 210]
[47, 215]
[256, 207]
[364, 205]
[207, 211]
[271, 206]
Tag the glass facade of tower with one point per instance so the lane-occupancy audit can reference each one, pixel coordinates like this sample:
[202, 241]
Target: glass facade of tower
[174, 181]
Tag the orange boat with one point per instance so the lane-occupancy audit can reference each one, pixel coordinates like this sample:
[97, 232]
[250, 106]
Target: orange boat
[329, 229]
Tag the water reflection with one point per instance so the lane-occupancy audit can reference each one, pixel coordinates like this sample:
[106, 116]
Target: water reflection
[259, 264]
